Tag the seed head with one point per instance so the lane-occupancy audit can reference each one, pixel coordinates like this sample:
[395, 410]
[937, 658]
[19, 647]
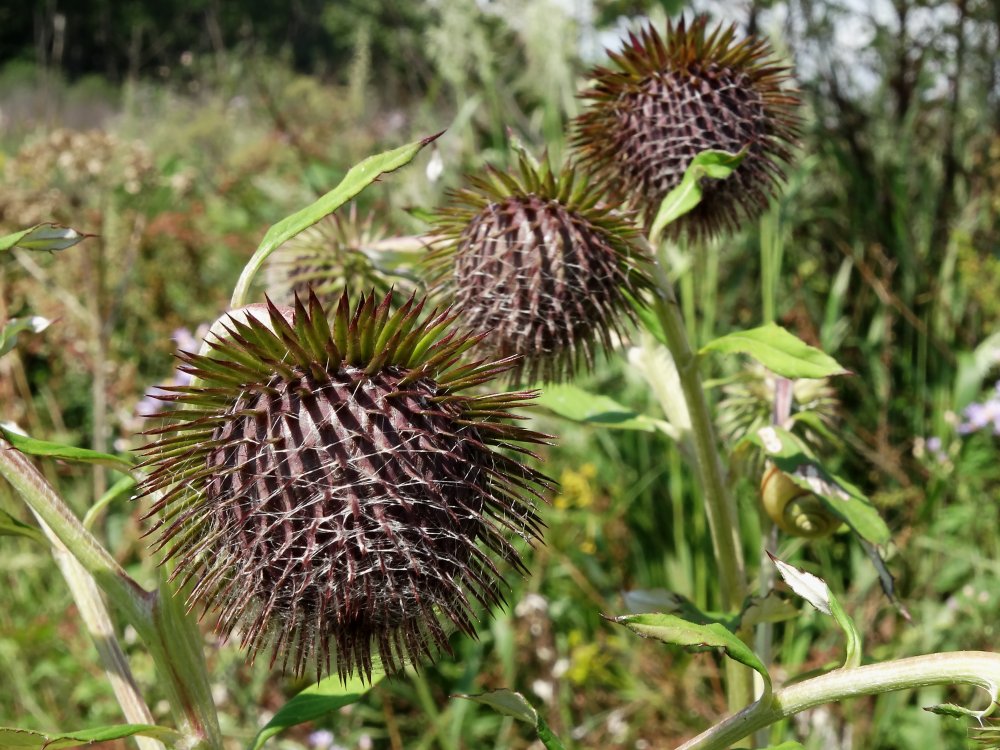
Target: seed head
[670, 98]
[330, 488]
[540, 267]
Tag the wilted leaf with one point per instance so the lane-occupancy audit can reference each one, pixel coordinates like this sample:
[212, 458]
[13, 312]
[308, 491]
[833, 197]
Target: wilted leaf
[515, 705]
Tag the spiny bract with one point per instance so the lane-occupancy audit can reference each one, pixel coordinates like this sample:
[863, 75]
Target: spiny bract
[332, 489]
[536, 263]
[672, 98]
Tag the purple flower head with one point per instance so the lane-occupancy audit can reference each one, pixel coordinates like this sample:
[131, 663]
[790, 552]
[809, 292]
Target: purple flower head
[981, 415]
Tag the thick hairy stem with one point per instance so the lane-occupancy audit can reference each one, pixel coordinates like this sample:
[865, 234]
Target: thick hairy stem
[723, 521]
[172, 638]
[976, 668]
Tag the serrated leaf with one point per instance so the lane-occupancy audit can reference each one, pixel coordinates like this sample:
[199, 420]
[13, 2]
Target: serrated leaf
[779, 351]
[15, 739]
[515, 705]
[358, 177]
[15, 326]
[43, 237]
[315, 701]
[841, 497]
[716, 165]
[43, 448]
[692, 636]
[573, 402]
[10, 526]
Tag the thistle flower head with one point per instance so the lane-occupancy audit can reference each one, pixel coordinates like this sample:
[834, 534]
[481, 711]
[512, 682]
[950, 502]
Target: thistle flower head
[328, 258]
[330, 488]
[670, 98]
[535, 262]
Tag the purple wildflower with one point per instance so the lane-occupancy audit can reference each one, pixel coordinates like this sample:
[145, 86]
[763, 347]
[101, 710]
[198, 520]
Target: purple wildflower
[981, 415]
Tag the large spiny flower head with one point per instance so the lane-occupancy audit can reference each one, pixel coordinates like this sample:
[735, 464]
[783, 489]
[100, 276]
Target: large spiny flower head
[538, 265]
[670, 98]
[334, 490]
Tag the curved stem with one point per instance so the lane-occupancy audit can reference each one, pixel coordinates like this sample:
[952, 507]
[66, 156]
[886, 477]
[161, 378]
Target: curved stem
[976, 668]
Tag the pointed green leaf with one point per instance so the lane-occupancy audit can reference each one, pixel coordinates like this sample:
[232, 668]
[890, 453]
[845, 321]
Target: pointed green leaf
[15, 739]
[779, 351]
[10, 526]
[574, 403]
[716, 165]
[841, 497]
[43, 237]
[515, 705]
[315, 701]
[14, 326]
[359, 177]
[816, 591]
[43, 448]
[694, 637]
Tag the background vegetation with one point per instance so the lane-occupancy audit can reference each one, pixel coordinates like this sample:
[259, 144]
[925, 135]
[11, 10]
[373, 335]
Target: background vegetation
[178, 131]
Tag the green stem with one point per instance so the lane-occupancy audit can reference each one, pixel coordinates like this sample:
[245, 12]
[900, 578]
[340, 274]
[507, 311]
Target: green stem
[96, 619]
[723, 521]
[171, 637]
[976, 668]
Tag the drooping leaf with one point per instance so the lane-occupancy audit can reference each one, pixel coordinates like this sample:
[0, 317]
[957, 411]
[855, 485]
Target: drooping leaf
[10, 526]
[359, 177]
[642, 601]
[43, 237]
[15, 326]
[574, 403]
[716, 165]
[15, 739]
[816, 591]
[43, 448]
[694, 637]
[841, 497]
[315, 701]
[779, 351]
[515, 705]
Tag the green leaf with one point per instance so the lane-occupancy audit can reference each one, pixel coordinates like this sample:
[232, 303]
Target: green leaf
[359, 177]
[32, 447]
[15, 326]
[10, 526]
[790, 745]
[695, 637]
[515, 705]
[647, 316]
[816, 591]
[841, 497]
[315, 701]
[716, 165]
[779, 351]
[11, 739]
[43, 237]
[578, 405]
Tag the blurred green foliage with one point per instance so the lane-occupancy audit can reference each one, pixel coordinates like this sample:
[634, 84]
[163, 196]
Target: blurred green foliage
[179, 131]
